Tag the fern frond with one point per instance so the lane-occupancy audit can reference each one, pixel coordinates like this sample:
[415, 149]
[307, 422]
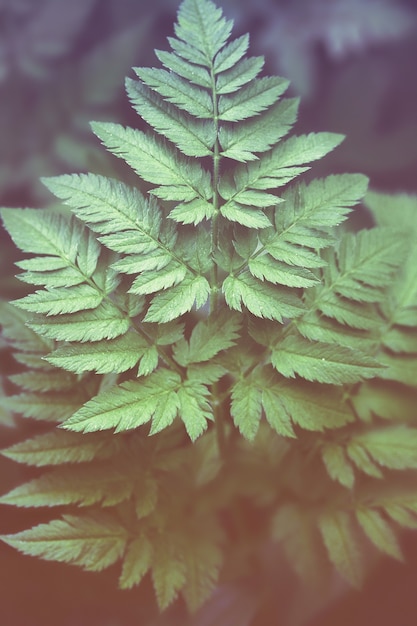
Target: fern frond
[342, 543]
[58, 447]
[228, 298]
[179, 179]
[241, 143]
[104, 322]
[325, 363]
[93, 541]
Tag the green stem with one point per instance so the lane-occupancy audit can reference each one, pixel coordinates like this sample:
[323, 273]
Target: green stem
[214, 232]
[214, 277]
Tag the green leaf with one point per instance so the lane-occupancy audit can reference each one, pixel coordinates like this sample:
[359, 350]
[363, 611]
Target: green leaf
[168, 569]
[245, 216]
[178, 178]
[194, 138]
[260, 299]
[178, 91]
[361, 459]
[368, 258]
[241, 74]
[61, 300]
[276, 415]
[40, 232]
[193, 73]
[231, 54]
[104, 322]
[56, 447]
[44, 380]
[266, 268]
[111, 355]
[130, 404]
[51, 407]
[17, 333]
[276, 167]
[394, 447]
[379, 532]
[168, 305]
[322, 362]
[208, 338]
[84, 486]
[246, 407]
[337, 464]
[93, 542]
[342, 545]
[194, 407]
[324, 202]
[252, 99]
[202, 26]
[136, 562]
[258, 135]
[149, 282]
[306, 405]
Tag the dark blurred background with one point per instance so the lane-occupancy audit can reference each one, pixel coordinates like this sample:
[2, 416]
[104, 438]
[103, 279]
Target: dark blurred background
[62, 64]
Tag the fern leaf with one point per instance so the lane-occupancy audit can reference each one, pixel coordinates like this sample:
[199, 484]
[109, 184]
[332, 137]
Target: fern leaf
[193, 73]
[155, 162]
[17, 333]
[64, 300]
[148, 361]
[104, 322]
[40, 232]
[58, 447]
[276, 414]
[245, 216]
[44, 381]
[322, 203]
[346, 312]
[112, 355]
[231, 54]
[283, 162]
[241, 74]
[325, 363]
[208, 338]
[342, 545]
[51, 407]
[379, 532]
[167, 306]
[394, 447]
[241, 143]
[168, 570]
[246, 407]
[93, 542]
[130, 405]
[180, 92]
[153, 281]
[362, 461]
[202, 26]
[80, 485]
[136, 562]
[260, 299]
[310, 408]
[252, 99]
[367, 261]
[193, 137]
[194, 407]
[337, 464]
[266, 268]
[106, 205]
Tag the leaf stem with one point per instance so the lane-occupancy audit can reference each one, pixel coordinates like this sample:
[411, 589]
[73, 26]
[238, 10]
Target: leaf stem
[214, 232]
